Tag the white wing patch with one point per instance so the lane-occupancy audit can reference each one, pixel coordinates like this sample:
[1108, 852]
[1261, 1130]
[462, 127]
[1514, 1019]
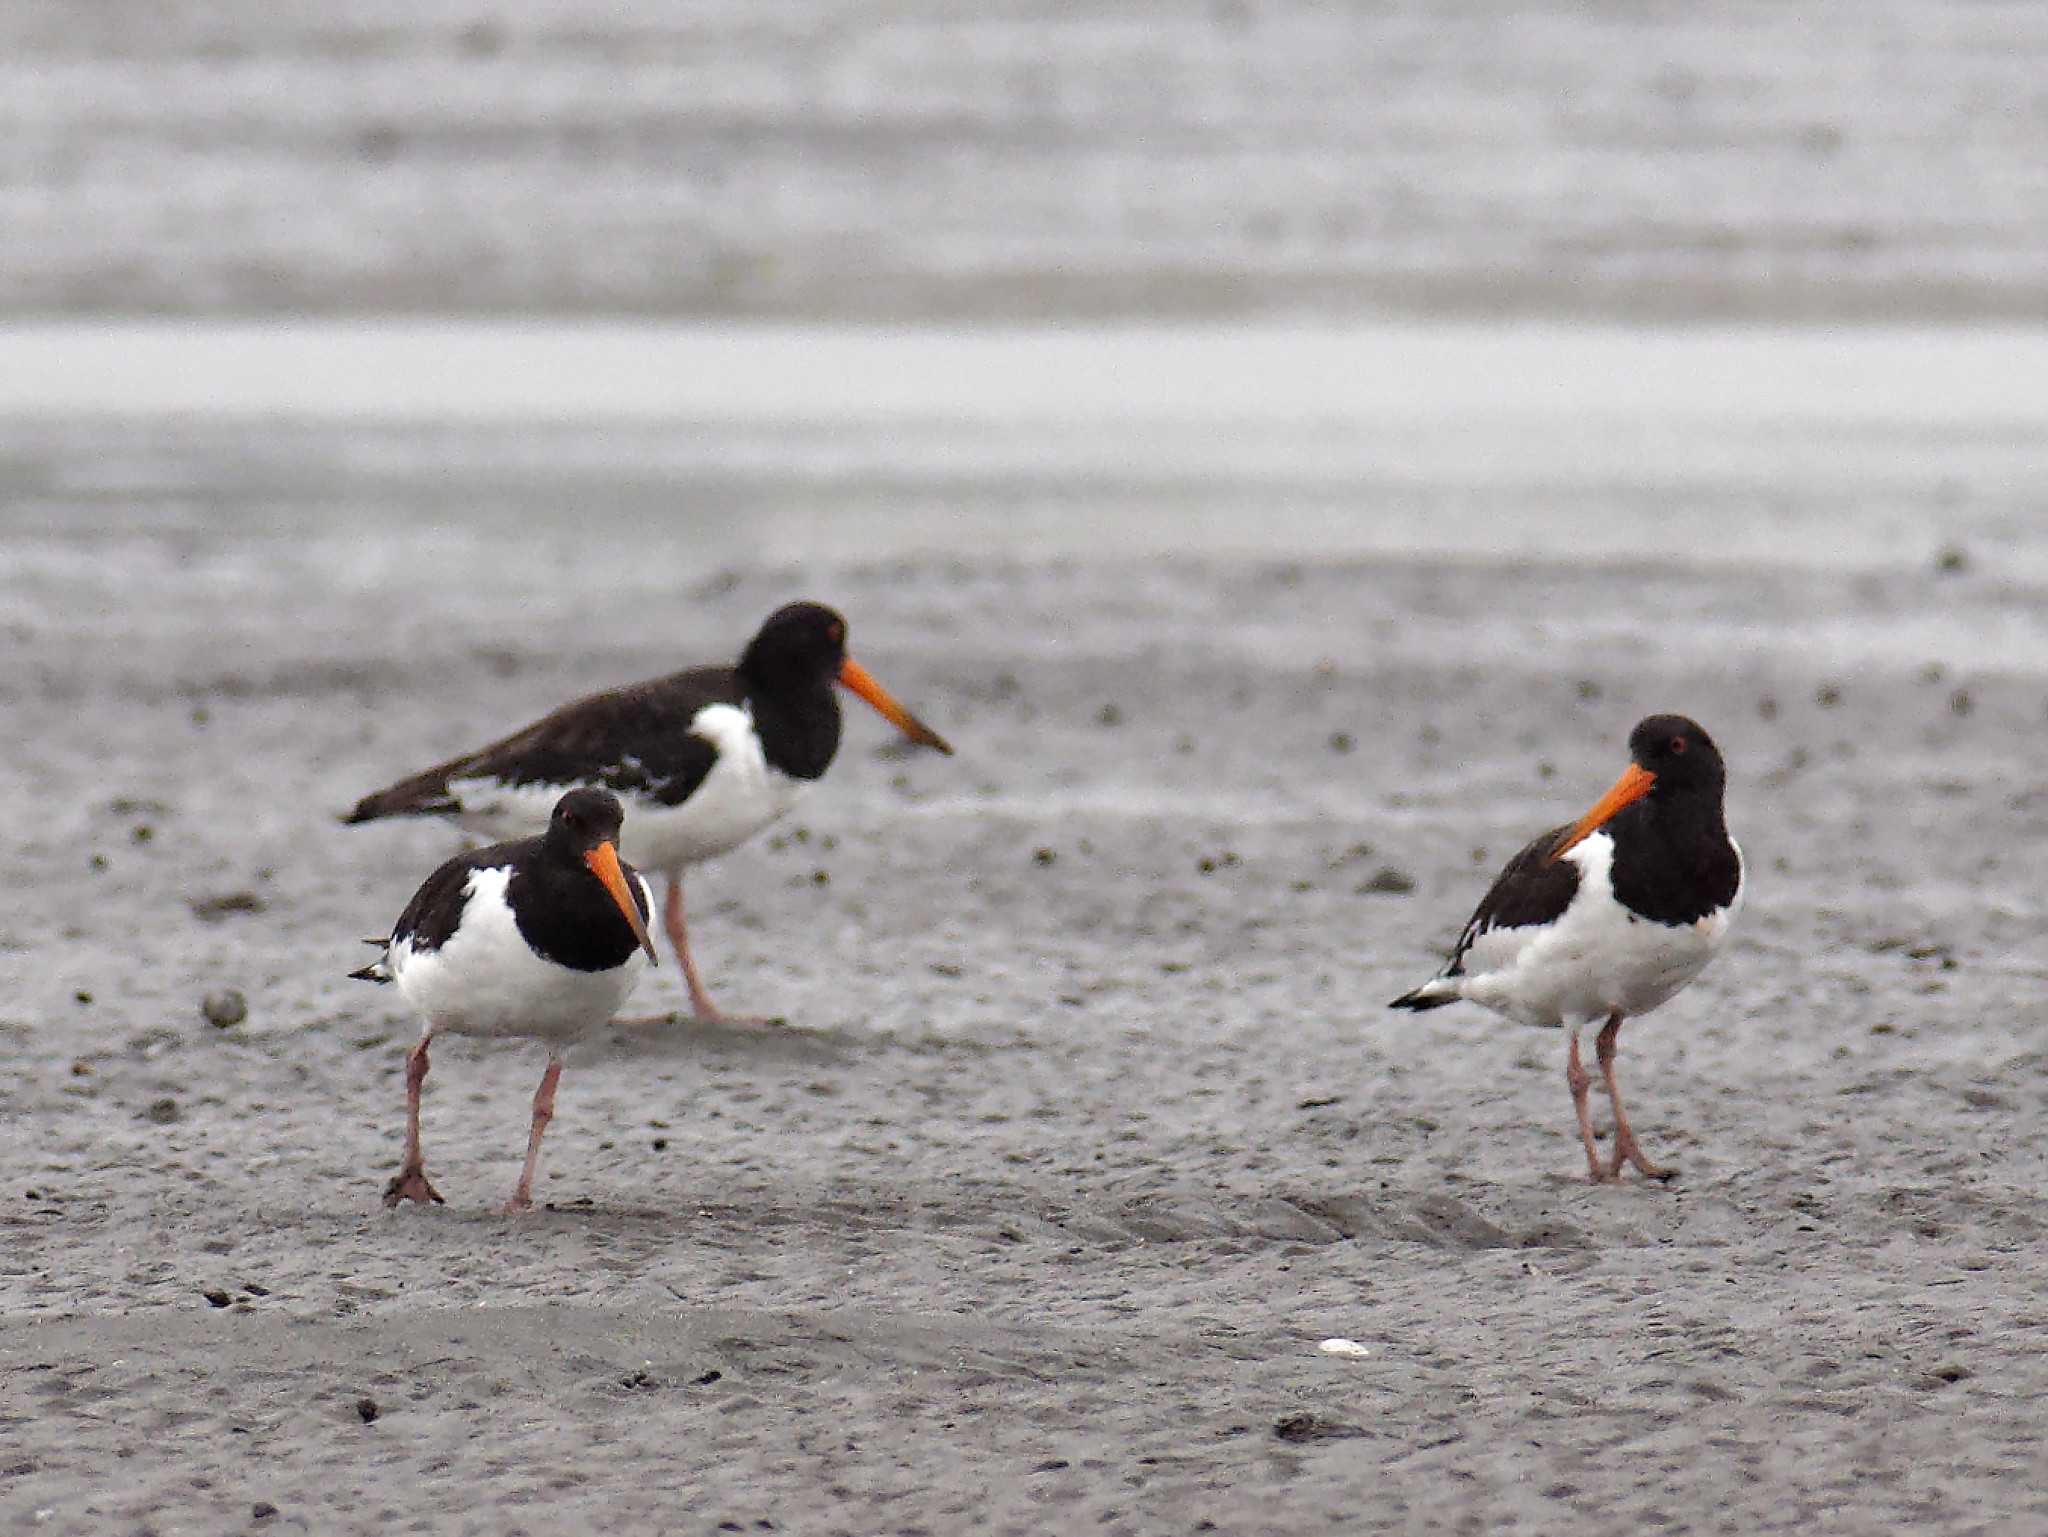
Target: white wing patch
[741, 795]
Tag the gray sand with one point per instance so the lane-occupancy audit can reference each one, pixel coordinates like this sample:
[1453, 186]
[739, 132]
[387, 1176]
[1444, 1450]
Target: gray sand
[1089, 1122]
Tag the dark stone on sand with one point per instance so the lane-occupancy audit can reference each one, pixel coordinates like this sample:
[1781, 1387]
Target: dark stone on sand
[225, 1009]
[1960, 702]
[1109, 715]
[367, 1410]
[217, 1297]
[1043, 856]
[1387, 881]
[262, 1510]
[227, 904]
[1828, 695]
[163, 1112]
[1952, 560]
[1340, 742]
[1306, 1425]
[707, 1378]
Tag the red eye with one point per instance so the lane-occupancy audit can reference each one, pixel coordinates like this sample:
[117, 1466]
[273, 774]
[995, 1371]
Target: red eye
[1677, 745]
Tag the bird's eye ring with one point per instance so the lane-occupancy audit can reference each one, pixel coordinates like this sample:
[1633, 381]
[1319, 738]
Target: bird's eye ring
[1677, 745]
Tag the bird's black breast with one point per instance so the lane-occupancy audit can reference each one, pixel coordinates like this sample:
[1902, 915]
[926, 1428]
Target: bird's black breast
[565, 915]
[1673, 869]
[799, 729]
[1533, 889]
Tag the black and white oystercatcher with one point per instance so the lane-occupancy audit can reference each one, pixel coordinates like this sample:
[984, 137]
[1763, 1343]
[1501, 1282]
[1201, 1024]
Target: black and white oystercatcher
[703, 759]
[1608, 917]
[544, 937]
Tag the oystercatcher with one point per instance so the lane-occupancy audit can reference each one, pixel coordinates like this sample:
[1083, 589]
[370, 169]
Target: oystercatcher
[543, 937]
[703, 759]
[1608, 917]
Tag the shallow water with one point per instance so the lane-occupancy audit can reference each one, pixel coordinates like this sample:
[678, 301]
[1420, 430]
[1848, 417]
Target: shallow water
[834, 158]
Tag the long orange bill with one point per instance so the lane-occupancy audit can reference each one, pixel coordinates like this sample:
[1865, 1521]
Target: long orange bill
[862, 682]
[1633, 785]
[604, 864]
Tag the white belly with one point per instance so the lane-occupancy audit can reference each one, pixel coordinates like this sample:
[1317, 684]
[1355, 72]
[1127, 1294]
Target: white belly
[1597, 959]
[741, 795]
[485, 981]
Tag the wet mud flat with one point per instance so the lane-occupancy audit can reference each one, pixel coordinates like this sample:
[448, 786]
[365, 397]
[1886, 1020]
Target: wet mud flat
[1088, 1123]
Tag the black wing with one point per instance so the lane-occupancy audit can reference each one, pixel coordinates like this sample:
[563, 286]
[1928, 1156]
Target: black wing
[1533, 889]
[635, 738]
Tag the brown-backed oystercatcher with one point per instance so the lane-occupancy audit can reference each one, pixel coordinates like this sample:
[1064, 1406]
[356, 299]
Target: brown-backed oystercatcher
[1608, 917]
[544, 937]
[703, 759]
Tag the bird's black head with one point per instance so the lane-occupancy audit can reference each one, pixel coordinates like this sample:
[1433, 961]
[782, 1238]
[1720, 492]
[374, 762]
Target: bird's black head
[585, 818]
[1672, 763]
[585, 829]
[801, 645]
[1679, 753]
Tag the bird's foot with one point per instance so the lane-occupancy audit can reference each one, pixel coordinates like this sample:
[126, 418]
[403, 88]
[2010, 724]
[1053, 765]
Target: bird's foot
[1628, 1153]
[520, 1202]
[410, 1184]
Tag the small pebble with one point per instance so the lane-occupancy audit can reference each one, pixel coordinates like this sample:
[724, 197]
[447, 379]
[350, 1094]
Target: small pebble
[1109, 715]
[225, 1009]
[1340, 741]
[1343, 1347]
[1043, 856]
[367, 1410]
[262, 1510]
[217, 1297]
[163, 1112]
[1952, 560]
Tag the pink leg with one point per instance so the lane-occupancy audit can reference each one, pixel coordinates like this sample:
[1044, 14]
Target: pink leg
[543, 1112]
[410, 1182]
[1579, 1080]
[679, 939]
[1626, 1149]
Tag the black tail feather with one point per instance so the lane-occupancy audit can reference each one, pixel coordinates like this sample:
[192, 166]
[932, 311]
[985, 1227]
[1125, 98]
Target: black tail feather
[1418, 1002]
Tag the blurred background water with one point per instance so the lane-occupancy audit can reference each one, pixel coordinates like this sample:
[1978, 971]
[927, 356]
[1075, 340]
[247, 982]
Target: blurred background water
[1693, 281]
[1021, 158]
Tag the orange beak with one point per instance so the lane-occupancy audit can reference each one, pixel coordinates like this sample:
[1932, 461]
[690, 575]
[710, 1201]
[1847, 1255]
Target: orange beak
[858, 678]
[1633, 785]
[604, 864]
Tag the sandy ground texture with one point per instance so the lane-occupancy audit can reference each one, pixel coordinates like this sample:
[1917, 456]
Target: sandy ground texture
[1017, 157]
[1088, 1123]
